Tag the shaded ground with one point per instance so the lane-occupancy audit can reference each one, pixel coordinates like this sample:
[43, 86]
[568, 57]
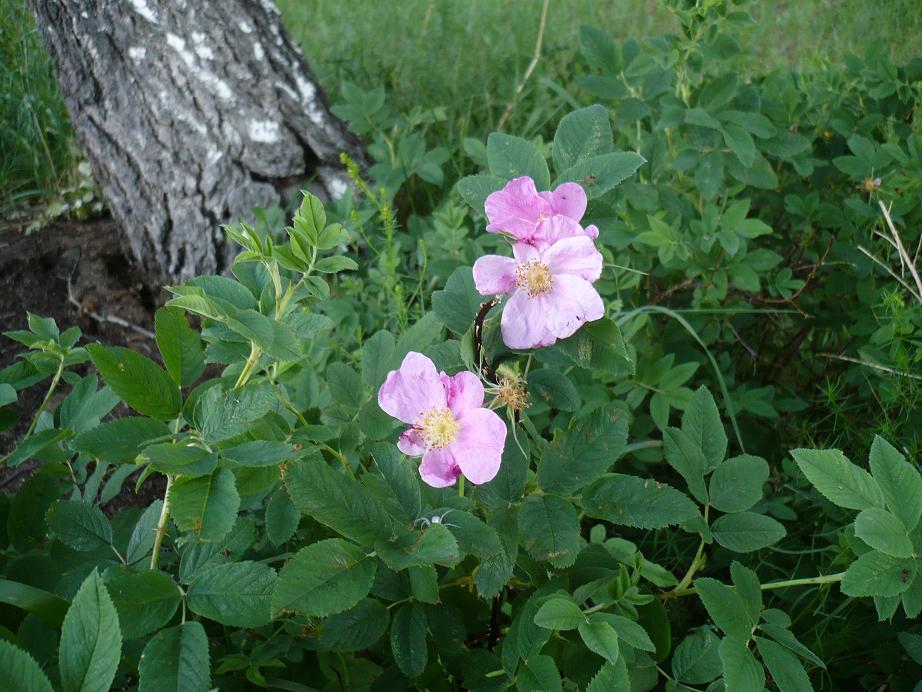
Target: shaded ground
[34, 274]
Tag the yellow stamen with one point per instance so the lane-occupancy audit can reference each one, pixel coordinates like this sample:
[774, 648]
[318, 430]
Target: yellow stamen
[534, 277]
[438, 427]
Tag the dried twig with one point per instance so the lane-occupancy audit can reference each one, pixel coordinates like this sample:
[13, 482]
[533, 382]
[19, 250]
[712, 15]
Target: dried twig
[904, 256]
[531, 67]
[82, 309]
[891, 273]
[810, 276]
[876, 366]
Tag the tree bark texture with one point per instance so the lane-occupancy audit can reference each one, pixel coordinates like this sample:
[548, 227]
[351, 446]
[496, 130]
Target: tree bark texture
[191, 113]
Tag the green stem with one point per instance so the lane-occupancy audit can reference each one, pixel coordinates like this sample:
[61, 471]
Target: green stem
[696, 563]
[461, 486]
[807, 581]
[249, 366]
[51, 388]
[161, 525]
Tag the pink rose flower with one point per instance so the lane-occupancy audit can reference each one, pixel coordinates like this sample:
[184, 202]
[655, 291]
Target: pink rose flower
[550, 290]
[534, 217]
[450, 428]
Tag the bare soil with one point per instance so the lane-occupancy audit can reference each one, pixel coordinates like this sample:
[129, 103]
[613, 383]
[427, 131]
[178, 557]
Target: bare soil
[70, 271]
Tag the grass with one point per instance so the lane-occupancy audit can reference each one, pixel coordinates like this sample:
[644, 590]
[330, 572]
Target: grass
[37, 157]
[465, 56]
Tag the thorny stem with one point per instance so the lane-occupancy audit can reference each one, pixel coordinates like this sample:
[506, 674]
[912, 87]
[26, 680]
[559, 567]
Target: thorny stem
[161, 525]
[482, 364]
[807, 581]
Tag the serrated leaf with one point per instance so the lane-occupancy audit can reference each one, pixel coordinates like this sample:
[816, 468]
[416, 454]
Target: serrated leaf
[282, 517]
[736, 484]
[583, 453]
[207, 505]
[839, 480]
[600, 638]
[632, 501]
[176, 660]
[457, 304]
[224, 413]
[539, 674]
[628, 631]
[586, 132]
[144, 533]
[701, 422]
[686, 457]
[549, 529]
[326, 577]
[180, 346]
[377, 354]
[80, 525]
[899, 482]
[787, 671]
[185, 459]
[145, 601]
[877, 574]
[512, 157]
[725, 607]
[474, 189]
[559, 614]
[599, 174]
[357, 628]
[746, 584]
[611, 676]
[696, 660]
[119, 441]
[20, 671]
[744, 532]
[436, 545]
[883, 531]
[91, 640]
[138, 381]
[237, 594]
[408, 639]
[741, 669]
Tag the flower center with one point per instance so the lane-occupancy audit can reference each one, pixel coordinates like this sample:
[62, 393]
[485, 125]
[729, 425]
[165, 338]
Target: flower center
[534, 277]
[439, 428]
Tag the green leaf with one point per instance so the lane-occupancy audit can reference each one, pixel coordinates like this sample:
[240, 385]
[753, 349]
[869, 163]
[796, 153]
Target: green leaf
[512, 157]
[91, 640]
[401, 477]
[559, 614]
[119, 441]
[434, 546]
[206, 506]
[224, 413]
[549, 529]
[789, 641]
[740, 143]
[143, 534]
[48, 606]
[611, 676]
[760, 174]
[345, 386]
[632, 501]
[741, 669]
[355, 629]
[726, 608]
[839, 480]
[145, 601]
[282, 517]
[701, 422]
[696, 660]
[553, 388]
[601, 173]
[180, 346]
[878, 574]
[600, 51]
[257, 454]
[377, 354]
[326, 577]
[35, 444]
[408, 639]
[786, 670]
[586, 132]
[474, 189]
[744, 532]
[913, 645]
[184, 459]
[709, 175]
[138, 381]
[20, 671]
[335, 264]
[539, 674]
[338, 502]
[747, 586]
[736, 485]
[583, 453]
[237, 594]
[899, 481]
[884, 532]
[600, 638]
[424, 583]
[79, 524]
[686, 457]
[628, 631]
[7, 396]
[457, 304]
[176, 660]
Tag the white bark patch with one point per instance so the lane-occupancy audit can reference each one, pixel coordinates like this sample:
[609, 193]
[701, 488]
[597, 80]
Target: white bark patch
[264, 131]
[244, 27]
[140, 6]
[216, 85]
[202, 50]
[308, 98]
[258, 51]
[137, 53]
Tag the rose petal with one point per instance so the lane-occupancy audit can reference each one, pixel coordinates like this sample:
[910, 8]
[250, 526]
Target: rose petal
[516, 208]
[413, 389]
[571, 303]
[554, 229]
[576, 256]
[479, 445]
[465, 392]
[524, 322]
[568, 199]
[592, 231]
[439, 468]
[411, 443]
[494, 274]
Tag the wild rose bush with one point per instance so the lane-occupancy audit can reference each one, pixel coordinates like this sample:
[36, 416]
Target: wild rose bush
[465, 456]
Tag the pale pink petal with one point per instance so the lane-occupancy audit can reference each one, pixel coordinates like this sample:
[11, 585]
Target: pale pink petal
[592, 231]
[411, 443]
[569, 199]
[524, 252]
[412, 390]
[479, 445]
[524, 322]
[494, 274]
[576, 256]
[465, 392]
[555, 228]
[516, 208]
[439, 468]
[571, 303]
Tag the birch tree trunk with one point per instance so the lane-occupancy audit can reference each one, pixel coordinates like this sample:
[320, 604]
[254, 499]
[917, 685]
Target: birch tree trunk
[191, 112]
